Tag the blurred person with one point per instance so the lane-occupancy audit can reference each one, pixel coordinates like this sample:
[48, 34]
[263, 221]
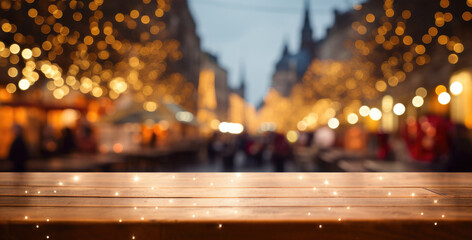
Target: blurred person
[461, 151]
[153, 140]
[228, 153]
[254, 151]
[384, 151]
[281, 152]
[67, 141]
[19, 152]
[215, 146]
[48, 141]
[86, 141]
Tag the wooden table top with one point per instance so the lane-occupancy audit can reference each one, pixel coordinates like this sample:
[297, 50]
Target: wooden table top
[236, 205]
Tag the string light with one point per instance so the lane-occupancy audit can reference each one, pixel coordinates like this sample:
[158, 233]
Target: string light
[444, 98]
[399, 109]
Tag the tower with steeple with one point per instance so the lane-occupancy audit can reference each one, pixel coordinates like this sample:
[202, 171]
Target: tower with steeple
[307, 42]
[241, 90]
[290, 68]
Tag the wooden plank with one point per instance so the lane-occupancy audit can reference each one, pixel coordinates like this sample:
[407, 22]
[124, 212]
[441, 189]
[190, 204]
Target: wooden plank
[237, 180]
[232, 214]
[215, 192]
[231, 202]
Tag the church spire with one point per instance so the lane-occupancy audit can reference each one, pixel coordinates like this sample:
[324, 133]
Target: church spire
[307, 31]
[242, 79]
[306, 22]
[285, 51]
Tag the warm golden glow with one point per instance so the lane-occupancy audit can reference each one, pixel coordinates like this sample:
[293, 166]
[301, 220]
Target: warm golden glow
[24, 84]
[407, 40]
[370, 18]
[453, 58]
[150, 106]
[444, 98]
[375, 114]
[422, 92]
[12, 72]
[27, 53]
[14, 48]
[417, 101]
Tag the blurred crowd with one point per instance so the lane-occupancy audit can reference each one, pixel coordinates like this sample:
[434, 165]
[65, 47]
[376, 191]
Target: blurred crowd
[433, 141]
[81, 139]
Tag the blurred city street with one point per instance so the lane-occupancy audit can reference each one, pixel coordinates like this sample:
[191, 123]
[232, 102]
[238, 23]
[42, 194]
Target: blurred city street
[214, 86]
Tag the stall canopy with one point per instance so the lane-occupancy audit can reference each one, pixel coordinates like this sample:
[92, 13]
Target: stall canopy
[134, 113]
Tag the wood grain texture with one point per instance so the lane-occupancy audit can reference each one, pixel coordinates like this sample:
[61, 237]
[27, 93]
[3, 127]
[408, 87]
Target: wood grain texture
[236, 206]
[244, 180]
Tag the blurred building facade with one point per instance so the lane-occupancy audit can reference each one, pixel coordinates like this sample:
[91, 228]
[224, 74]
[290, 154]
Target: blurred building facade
[213, 94]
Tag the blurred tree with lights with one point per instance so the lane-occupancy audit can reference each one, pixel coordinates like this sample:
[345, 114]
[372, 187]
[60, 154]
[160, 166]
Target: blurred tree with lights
[97, 49]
